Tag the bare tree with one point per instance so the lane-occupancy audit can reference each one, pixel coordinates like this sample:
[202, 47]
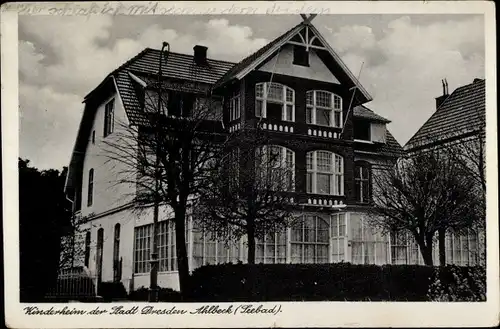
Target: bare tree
[425, 192]
[167, 156]
[249, 191]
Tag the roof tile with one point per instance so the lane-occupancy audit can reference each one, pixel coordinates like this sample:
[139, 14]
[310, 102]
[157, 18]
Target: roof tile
[463, 111]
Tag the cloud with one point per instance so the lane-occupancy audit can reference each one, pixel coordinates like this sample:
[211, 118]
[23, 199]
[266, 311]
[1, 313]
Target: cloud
[51, 93]
[404, 65]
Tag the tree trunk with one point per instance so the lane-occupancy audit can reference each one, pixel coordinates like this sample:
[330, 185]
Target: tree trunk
[251, 242]
[181, 251]
[442, 246]
[425, 246]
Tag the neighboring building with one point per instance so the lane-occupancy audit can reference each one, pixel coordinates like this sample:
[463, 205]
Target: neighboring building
[296, 87]
[459, 120]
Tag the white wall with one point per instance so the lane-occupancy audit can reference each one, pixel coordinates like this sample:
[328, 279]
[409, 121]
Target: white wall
[316, 70]
[378, 132]
[107, 193]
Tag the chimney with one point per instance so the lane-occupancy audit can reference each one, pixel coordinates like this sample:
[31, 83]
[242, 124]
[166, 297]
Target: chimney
[200, 55]
[440, 100]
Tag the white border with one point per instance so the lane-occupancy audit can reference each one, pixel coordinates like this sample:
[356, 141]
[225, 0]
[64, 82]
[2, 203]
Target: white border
[310, 314]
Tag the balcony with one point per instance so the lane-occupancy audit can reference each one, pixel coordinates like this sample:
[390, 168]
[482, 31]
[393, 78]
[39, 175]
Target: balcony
[323, 200]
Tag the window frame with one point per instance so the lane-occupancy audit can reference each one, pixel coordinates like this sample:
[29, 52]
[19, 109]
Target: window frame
[206, 239]
[298, 50]
[277, 243]
[284, 102]
[336, 187]
[109, 117]
[234, 108]
[90, 188]
[302, 243]
[263, 152]
[359, 166]
[339, 237]
[314, 107]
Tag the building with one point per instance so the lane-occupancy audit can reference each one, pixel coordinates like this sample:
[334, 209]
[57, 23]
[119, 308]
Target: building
[459, 121]
[296, 87]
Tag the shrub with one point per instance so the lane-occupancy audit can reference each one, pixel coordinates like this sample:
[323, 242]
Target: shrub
[454, 283]
[111, 291]
[316, 282]
[164, 295]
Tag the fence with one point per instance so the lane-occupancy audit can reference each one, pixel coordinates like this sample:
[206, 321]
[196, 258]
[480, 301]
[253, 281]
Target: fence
[74, 283]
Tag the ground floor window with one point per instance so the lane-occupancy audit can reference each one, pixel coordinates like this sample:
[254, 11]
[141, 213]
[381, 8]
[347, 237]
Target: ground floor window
[166, 247]
[339, 237]
[271, 249]
[369, 246]
[462, 249]
[310, 241]
[211, 249]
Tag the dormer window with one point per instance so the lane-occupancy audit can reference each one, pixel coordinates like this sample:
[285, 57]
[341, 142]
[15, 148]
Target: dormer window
[362, 130]
[274, 101]
[300, 56]
[324, 108]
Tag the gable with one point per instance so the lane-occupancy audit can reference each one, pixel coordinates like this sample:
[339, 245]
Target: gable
[282, 63]
[303, 34]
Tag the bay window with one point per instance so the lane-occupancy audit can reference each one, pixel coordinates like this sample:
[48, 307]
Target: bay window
[324, 108]
[462, 249]
[325, 173]
[310, 240]
[276, 167]
[274, 101]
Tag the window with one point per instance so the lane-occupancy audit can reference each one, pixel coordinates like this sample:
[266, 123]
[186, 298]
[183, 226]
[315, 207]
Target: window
[362, 130]
[368, 245]
[339, 240]
[310, 241]
[362, 181]
[99, 254]
[207, 109]
[271, 249]
[116, 254]
[90, 195]
[109, 117]
[93, 136]
[151, 101]
[325, 173]
[207, 249]
[166, 247]
[300, 56]
[462, 249]
[234, 108]
[274, 101]
[324, 108]
[87, 249]
[399, 248]
[276, 166]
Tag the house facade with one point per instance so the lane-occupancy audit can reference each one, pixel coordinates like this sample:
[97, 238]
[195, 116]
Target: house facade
[296, 88]
[458, 124]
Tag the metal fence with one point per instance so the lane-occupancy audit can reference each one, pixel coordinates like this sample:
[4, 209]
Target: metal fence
[74, 283]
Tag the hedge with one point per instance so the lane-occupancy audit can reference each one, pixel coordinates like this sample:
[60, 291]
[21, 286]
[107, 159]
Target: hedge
[111, 291]
[322, 282]
[164, 295]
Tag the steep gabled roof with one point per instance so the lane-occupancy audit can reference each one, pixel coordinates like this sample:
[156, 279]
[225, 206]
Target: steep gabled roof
[361, 111]
[461, 113]
[252, 61]
[245, 62]
[176, 66]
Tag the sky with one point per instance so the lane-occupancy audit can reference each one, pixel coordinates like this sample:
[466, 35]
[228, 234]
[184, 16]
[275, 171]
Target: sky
[403, 59]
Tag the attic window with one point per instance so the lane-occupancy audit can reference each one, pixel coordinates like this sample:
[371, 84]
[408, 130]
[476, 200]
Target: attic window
[300, 56]
[362, 130]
